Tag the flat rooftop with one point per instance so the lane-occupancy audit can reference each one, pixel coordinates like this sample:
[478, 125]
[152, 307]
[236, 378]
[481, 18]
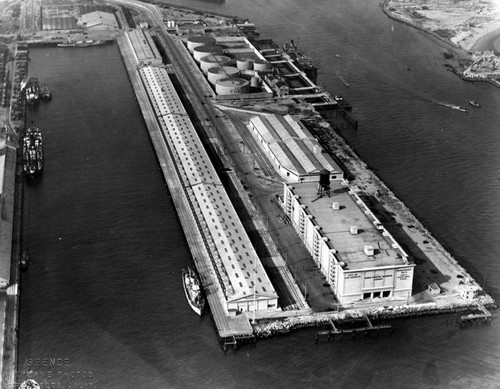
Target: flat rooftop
[336, 226]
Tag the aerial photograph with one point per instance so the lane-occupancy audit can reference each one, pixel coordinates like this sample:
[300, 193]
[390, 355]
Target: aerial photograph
[249, 194]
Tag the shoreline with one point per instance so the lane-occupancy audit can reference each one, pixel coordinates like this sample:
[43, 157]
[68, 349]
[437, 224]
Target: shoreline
[462, 54]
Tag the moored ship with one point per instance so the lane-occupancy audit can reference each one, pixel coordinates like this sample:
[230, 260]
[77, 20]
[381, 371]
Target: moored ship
[32, 91]
[83, 43]
[302, 61]
[32, 151]
[29, 384]
[192, 289]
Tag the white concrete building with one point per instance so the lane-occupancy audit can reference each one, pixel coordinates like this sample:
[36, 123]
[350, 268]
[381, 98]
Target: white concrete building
[358, 256]
[239, 271]
[295, 152]
[98, 20]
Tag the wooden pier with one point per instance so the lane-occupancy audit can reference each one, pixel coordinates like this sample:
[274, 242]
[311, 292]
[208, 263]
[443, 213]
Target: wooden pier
[483, 317]
[366, 328]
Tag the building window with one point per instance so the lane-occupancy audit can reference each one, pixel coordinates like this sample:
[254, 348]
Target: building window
[376, 294]
[367, 296]
[386, 293]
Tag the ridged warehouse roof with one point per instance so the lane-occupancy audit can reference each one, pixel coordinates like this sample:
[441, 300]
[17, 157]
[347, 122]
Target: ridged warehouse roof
[293, 145]
[231, 241]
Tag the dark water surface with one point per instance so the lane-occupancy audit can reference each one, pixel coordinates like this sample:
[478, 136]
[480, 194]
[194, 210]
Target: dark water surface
[103, 289]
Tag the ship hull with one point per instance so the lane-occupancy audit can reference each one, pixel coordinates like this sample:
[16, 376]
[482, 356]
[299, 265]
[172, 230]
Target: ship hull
[192, 290]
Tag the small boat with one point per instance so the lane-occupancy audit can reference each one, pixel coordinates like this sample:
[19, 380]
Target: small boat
[46, 94]
[344, 81]
[192, 289]
[474, 103]
[29, 384]
[24, 260]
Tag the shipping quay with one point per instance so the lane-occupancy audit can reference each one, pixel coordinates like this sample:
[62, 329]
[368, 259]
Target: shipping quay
[287, 227]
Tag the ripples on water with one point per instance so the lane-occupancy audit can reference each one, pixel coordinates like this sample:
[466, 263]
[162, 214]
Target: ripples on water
[103, 288]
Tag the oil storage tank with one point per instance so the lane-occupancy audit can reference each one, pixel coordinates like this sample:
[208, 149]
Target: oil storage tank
[244, 64]
[197, 41]
[211, 61]
[202, 51]
[231, 86]
[220, 72]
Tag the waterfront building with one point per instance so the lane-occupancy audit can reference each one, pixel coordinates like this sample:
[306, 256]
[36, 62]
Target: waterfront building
[358, 256]
[7, 186]
[143, 47]
[292, 148]
[234, 263]
[98, 20]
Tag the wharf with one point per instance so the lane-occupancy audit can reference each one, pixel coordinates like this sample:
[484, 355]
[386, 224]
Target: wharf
[230, 328]
[364, 329]
[483, 317]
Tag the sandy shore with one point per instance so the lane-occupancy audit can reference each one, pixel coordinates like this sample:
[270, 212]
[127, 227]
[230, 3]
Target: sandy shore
[471, 26]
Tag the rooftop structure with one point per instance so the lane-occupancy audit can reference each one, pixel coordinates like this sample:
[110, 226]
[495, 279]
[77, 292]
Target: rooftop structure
[98, 20]
[144, 48]
[359, 257]
[297, 154]
[239, 271]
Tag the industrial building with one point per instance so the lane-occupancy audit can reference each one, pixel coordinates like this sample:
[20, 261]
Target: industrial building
[144, 48]
[98, 20]
[238, 270]
[358, 256]
[295, 152]
[7, 188]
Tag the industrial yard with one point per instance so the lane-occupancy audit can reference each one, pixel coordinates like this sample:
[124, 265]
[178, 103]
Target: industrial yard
[262, 183]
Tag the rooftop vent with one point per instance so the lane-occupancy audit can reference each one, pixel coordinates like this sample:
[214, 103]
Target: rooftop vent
[354, 230]
[369, 250]
[335, 206]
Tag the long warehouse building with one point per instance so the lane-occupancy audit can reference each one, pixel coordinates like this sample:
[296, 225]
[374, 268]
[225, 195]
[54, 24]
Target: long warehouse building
[238, 269]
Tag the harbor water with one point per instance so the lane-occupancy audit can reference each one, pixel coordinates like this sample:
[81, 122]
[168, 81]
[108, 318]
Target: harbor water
[102, 304]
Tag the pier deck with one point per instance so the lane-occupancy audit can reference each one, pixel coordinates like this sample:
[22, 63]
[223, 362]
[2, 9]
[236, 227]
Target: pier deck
[227, 326]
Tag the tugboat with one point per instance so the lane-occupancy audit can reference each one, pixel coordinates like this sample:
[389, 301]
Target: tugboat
[192, 290]
[474, 103]
[46, 94]
[32, 151]
[24, 260]
[32, 91]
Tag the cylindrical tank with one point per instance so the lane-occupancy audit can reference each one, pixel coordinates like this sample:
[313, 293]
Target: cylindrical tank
[217, 73]
[196, 41]
[261, 65]
[231, 86]
[244, 64]
[211, 61]
[202, 51]
[255, 82]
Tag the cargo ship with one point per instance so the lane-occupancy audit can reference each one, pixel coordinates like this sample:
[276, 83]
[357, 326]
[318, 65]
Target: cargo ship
[303, 62]
[84, 43]
[192, 289]
[32, 91]
[32, 151]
